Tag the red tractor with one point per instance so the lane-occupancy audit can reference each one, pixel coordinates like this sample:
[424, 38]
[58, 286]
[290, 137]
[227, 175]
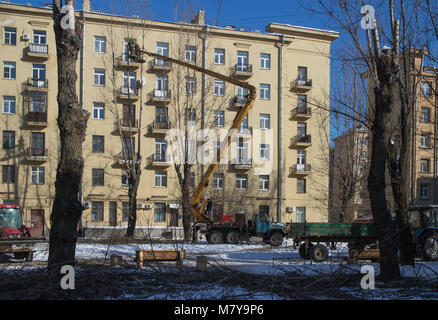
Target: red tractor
[15, 237]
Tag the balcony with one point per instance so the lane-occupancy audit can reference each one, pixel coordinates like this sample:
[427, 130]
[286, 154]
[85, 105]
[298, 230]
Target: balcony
[301, 141]
[36, 119]
[242, 164]
[160, 96]
[128, 94]
[39, 51]
[238, 102]
[300, 170]
[125, 63]
[158, 160]
[301, 113]
[245, 132]
[243, 71]
[160, 66]
[127, 158]
[36, 155]
[301, 85]
[37, 84]
[127, 126]
[158, 127]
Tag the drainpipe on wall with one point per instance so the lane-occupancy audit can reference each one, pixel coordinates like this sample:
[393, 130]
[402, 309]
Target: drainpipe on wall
[204, 65]
[82, 101]
[280, 131]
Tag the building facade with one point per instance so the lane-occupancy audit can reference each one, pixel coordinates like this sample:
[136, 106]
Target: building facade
[133, 108]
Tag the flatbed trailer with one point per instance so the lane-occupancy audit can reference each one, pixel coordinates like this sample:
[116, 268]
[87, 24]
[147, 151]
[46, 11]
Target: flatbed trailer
[304, 234]
[22, 248]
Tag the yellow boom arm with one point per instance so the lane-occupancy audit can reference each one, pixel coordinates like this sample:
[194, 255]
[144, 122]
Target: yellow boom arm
[196, 202]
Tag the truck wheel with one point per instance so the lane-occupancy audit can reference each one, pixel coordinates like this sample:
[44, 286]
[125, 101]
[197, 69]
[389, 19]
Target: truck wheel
[216, 237]
[304, 252]
[319, 253]
[429, 244]
[29, 256]
[276, 239]
[233, 237]
[19, 255]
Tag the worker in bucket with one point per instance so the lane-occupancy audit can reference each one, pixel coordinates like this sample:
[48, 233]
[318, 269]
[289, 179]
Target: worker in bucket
[133, 47]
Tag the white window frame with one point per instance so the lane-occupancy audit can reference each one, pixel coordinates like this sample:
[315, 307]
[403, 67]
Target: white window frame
[99, 110]
[265, 121]
[425, 140]
[241, 181]
[427, 112]
[428, 92]
[264, 182]
[219, 56]
[218, 181]
[9, 104]
[265, 61]
[99, 77]
[301, 214]
[37, 175]
[7, 36]
[218, 118]
[190, 85]
[265, 150]
[8, 68]
[425, 166]
[301, 183]
[160, 179]
[99, 44]
[265, 91]
[424, 191]
[190, 53]
[40, 38]
[219, 88]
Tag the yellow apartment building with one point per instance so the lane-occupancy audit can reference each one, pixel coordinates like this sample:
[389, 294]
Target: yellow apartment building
[278, 164]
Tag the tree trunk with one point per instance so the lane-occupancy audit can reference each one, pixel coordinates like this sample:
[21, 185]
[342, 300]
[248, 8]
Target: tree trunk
[72, 123]
[186, 195]
[134, 181]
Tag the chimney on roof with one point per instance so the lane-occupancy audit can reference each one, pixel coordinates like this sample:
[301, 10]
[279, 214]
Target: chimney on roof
[86, 5]
[199, 18]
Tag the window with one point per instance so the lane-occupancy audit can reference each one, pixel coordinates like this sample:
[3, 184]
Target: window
[8, 174]
[242, 61]
[424, 191]
[162, 86]
[99, 77]
[219, 87]
[161, 178]
[265, 121]
[9, 70]
[162, 50]
[99, 44]
[8, 139]
[97, 211]
[129, 83]
[425, 140]
[98, 144]
[242, 153]
[124, 178]
[218, 181]
[128, 146]
[426, 89]
[191, 53]
[264, 183]
[37, 175]
[125, 211]
[38, 143]
[425, 165]
[301, 214]
[301, 185]
[302, 75]
[241, 181]
[160, 150]
[159, 212]
[97, 177]
[219, 118]
[161, 115]
[8, 104]
[302, 103]
[301, 129]
[264, 151]
[265, 61]
[98, 111]
[425, 114]
[38, 102]
[219, 56]
[264, 210]
[189, 115]
[265, 91]
[39, 37]
[38, 73]
[190, 85]
[10, 36]
[241, 95]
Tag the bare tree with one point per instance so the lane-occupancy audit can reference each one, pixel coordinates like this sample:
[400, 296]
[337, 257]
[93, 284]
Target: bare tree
[72, 123]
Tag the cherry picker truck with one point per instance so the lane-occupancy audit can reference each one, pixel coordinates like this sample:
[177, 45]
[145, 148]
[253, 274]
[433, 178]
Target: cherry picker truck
[231, 230]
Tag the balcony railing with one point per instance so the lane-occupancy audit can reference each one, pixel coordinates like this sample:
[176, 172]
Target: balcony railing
[301, 84]
[301, 112]
[38, 50]
[160, 95]
[242, 164]
[302, 140]
[126, 157]
[158, 127]
[160, 65]
[123, 62]
[157, 160]
[36, 154]
[300, 169]
[36, 118]
[130, 125]
[38, 84]
[243, 70]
